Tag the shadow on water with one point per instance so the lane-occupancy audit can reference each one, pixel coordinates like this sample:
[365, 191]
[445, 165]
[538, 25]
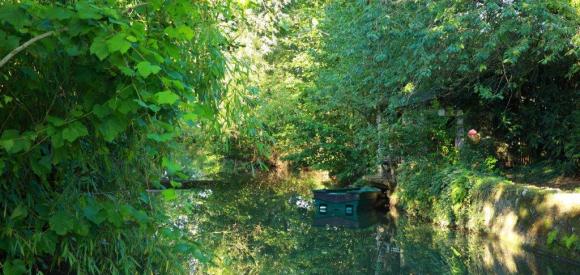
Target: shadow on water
[272, 229]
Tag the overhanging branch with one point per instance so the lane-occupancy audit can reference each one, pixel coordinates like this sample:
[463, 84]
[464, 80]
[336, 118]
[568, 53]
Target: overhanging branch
[26, 45]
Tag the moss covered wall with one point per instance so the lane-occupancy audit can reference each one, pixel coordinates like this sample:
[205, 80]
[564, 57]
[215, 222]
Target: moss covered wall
[548, 219]
[545, 219]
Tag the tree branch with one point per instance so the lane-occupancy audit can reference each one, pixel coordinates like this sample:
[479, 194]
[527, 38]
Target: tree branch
[26, 45]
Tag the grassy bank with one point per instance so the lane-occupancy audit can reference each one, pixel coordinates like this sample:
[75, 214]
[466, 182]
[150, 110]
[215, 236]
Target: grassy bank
[457, 196]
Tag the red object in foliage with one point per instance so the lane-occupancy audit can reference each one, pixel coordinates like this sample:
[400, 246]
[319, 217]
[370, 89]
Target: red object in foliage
[473, 136]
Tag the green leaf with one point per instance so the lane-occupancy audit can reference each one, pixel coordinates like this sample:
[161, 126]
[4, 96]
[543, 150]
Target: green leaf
[169, 194]
[126, 70]
[141, 216]
[47, 242]
[181, 32]
[156, 4]
[14, 267]
[569, 240]
[7, 139]
[118, 43]
[455, 251]
[55, 137]
[20, 212]
[101, 111]
[552, 236]
[131, 38]
[13, 142]
[171, 32]
[160, 138]
[73, 51]
[87, 11]
[114, 217]
[82, 228]
[9, 42]
[129, 213]
[171, 166]
[203, 111]
[7, 99]
[61, 223]
[99, 48]
[486, 93]
[175, 184]
[126, 211]
[166, 97]
[74, 131]
[77, 27]
[55, 121]
[190, 117]
[111, 127]
[41, 167]
[145, 69]
[15, 16]
[151, 107]
[59, 155]
[58, 13]
[93, 213]
[127, 106]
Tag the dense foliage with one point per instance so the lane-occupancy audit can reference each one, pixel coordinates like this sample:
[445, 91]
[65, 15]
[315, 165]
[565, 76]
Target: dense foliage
[91, 116]
[348, 76]
[98, 99]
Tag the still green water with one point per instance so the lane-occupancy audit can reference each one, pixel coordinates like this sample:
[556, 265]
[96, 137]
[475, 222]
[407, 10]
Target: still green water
[269, 229]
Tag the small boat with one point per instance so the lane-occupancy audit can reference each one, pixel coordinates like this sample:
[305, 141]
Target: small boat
[348, 201]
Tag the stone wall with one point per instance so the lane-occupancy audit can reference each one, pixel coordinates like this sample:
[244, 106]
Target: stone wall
[546, 219]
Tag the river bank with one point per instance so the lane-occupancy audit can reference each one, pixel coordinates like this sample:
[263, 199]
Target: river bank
[545, 219]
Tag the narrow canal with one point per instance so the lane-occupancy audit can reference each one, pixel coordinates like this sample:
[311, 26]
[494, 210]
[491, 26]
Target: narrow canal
[270, 228]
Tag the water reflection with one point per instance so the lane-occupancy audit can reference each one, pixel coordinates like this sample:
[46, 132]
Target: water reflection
[274, 230]
[356, 220]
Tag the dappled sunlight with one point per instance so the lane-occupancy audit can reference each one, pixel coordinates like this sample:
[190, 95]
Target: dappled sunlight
[541, 226]
[508, 252]
[499, 221]
[524, 215]
[504, 226]
[501, 256]
[319, 177]
[563, 203]
[488, 214]
[488, 257]
[498, 193]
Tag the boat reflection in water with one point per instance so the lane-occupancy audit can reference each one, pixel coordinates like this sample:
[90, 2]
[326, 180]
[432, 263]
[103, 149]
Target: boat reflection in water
[355, 220]
[348, 207]
[359, 208]
[388, 253]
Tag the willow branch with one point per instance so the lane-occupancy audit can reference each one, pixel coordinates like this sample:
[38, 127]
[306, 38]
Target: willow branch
[26, 45]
